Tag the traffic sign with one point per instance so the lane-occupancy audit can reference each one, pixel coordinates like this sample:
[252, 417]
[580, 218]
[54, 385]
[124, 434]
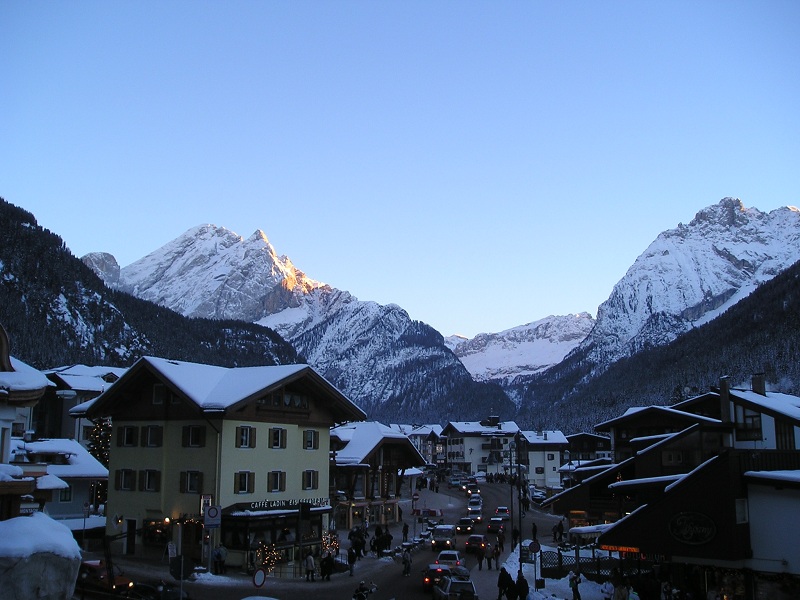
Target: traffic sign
[534, 547]
[259, 577]
[212, 517]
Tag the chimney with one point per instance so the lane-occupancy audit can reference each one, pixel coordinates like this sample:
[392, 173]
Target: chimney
[759, 384]
[724, 399]
[545, 435]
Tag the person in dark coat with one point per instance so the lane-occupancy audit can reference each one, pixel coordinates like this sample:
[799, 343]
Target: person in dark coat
[405, 532]
[503, 581]
[514, 538]
[522, 587]
[481, 554]
[534, 530]
[511, 590]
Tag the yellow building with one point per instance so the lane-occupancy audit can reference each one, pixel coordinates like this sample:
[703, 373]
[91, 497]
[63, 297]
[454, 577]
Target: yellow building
[251, 442]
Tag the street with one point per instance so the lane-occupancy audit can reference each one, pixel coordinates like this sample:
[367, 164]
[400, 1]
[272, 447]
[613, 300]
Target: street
[386, 573]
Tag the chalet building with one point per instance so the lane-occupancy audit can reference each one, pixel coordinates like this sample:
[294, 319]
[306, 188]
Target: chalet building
[252, 442]
[21, 387]
[482, 446]
[544, 450]
[370, 462]
[712, 505]
[426, 439]
[72, 385]
[585, 447]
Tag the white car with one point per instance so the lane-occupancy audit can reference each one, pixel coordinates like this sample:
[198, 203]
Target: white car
[451, 558]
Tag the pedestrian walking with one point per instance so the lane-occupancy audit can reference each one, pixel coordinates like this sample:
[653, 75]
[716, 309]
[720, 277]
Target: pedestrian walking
[326, 565]
[503, 581]
[523, 589]
[407, 563]
[560, 527]
[501, 540]
[489, 555]
[534, 530]
[405, 532]
[574, 580]
[496, 556]
[514, 538]
[481, 554]
[352, 556]
[511, 590]
[311, 567]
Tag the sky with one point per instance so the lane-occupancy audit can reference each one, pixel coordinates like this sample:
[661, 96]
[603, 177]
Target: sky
[481, 164]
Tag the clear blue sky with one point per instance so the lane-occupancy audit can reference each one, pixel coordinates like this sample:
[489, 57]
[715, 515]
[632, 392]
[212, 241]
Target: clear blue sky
[481, 164]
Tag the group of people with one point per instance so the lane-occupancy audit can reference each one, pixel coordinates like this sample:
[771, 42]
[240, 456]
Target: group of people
[512, 590]
[490, 553]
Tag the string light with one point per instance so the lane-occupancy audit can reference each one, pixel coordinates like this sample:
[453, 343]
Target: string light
[268, 556]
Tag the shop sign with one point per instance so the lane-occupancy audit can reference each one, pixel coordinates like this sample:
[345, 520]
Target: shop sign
[692, 528]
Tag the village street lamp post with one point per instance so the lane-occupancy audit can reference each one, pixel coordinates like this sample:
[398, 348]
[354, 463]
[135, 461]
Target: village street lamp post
[519, 497]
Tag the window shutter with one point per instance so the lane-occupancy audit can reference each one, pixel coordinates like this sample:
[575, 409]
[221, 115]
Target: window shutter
[200, 482]
[252, 437]
[182, 487]
[283, 481]
[143, 436]
[236, 483]
[251, 483]
[316, 480]
[158, 435]
[157, 480]
[238, 437]
[283, 438]
[271, 437]
[117, 479]
[202, 436]
[185, 436]
[120, 436]
[316, 440]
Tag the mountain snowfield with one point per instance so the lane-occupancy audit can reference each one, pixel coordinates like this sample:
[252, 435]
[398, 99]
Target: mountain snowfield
[523, 350]
[692, 274]
[379, 356]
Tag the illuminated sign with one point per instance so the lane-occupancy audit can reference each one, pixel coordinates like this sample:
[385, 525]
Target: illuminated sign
[292, 503]
[619, 548]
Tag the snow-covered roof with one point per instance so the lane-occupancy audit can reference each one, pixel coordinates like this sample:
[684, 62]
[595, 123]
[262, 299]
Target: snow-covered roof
[86, 378]
[480, 428]
[361, 439]
[665, 409]
[212, 387]
[50, 482]
[10, 472]
[79, 462]
[23, 378]
[22, 536]
[545, 437]
[789, 476]
[646, 480]
[784, 404]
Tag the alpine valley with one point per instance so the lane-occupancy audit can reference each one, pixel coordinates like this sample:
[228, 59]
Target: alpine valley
[718, 296]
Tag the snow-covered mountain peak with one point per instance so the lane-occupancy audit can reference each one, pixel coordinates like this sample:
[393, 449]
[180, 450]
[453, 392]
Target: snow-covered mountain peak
[692, 273]
[212, 272]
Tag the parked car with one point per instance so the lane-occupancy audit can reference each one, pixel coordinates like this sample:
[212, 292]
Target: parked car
[502, 512]
[537, 495]
[450, 587]
[93, 577]
[443, 537]
[451, 558]
[464, 525]
[495, 525]
[433, 574]
[475, 541]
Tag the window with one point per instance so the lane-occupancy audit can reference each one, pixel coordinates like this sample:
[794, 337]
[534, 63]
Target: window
[550, 456]
[191, 482]
[748, 424]
[245, 437]
[127, 436]
[194, 436]
[124, 480]
[159, 393]
[65, 495]
[244, 482]
[277, 437]
[671, 458]
[310, 480]
[276, 481]
[311, 439]
[152, 436]
[87, 431]
[17, 430]
[149, 480]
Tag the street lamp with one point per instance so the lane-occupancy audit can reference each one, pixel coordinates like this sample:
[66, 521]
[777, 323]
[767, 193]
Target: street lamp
[519, 498]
